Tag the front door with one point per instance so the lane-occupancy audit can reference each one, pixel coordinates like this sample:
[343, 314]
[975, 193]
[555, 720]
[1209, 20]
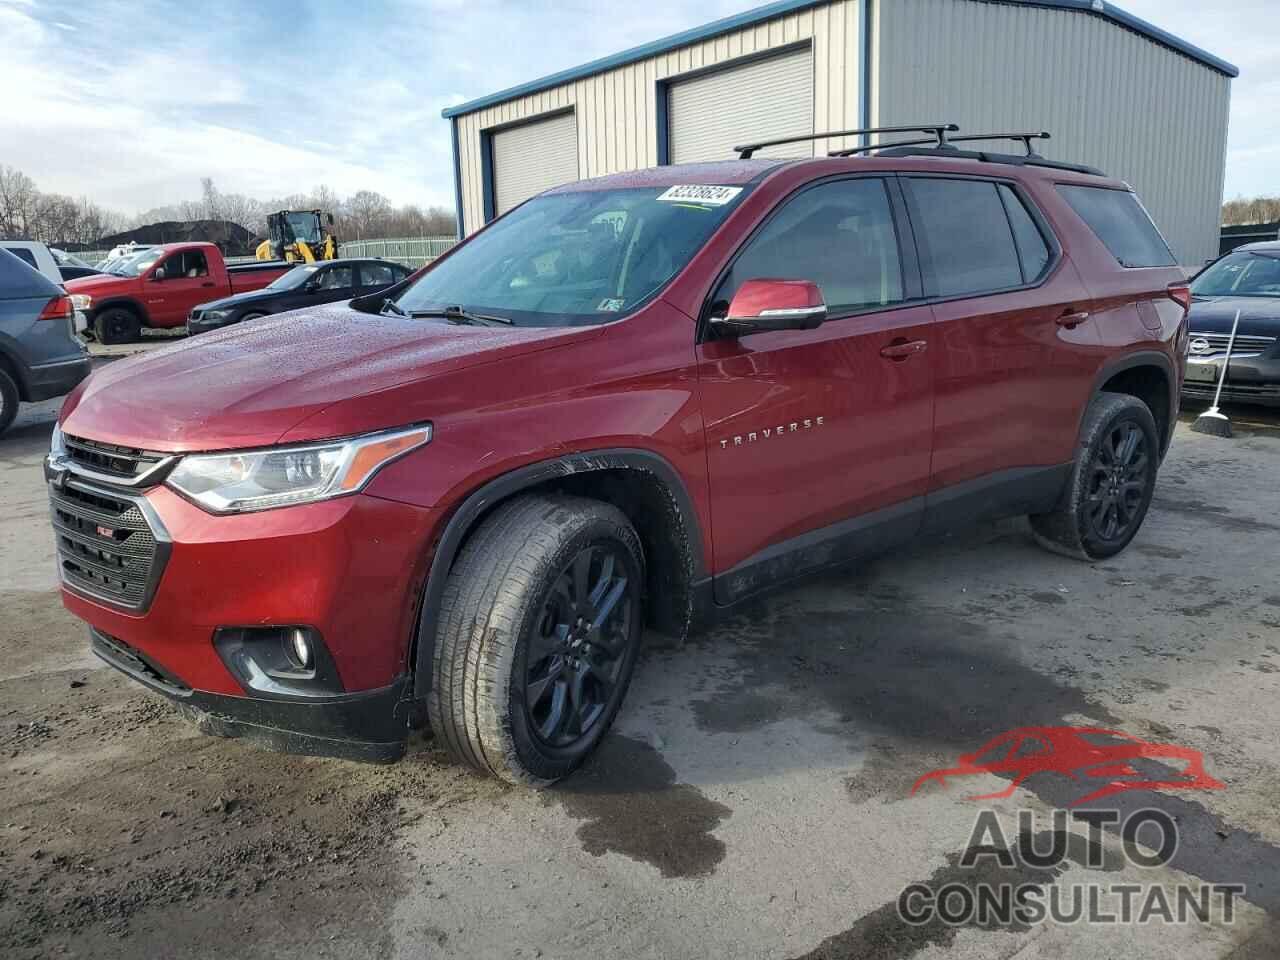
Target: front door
[818, 441]
[179, 282]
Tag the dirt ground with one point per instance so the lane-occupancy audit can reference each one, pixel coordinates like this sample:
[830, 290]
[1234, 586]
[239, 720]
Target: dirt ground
[753, 800]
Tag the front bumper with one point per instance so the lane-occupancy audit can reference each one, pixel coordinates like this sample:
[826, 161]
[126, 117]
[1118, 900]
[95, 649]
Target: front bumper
[369, 726]
[1250, 379]
[203, 324]
[48, 380]
[351, 569]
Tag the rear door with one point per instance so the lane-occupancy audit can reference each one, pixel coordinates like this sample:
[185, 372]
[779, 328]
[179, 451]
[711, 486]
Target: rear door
[1005, 302]
[818, 440]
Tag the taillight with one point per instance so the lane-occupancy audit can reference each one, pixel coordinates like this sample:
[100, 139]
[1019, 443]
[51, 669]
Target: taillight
[59, 308]
[1180, 293]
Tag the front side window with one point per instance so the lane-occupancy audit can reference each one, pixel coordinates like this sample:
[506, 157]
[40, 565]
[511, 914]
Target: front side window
[965, 234]
[575, 258]
[1119, 221]
[839, 235]
[1246, 273]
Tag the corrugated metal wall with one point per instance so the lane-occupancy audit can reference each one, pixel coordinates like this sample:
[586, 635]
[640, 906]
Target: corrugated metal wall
[616, 110]
[1110, 97]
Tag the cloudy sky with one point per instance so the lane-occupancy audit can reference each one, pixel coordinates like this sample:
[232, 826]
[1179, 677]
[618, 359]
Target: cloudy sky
[130, 102]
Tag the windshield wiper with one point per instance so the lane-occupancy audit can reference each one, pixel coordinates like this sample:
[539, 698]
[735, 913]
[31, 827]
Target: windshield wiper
[390, 306]
[455, 314]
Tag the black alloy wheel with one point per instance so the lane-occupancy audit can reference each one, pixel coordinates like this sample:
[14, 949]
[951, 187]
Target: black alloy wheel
[1117, 482]
[576, 651]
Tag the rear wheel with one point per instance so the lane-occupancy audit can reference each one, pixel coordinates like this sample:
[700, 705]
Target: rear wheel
[1111, 485]
[8, 400]
[539, 629]
[117, 325]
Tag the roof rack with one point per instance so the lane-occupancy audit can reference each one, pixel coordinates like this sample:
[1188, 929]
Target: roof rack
[1024, 138]
[938, 130]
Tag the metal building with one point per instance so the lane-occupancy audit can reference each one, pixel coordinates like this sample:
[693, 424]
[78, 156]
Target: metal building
[1115, 91]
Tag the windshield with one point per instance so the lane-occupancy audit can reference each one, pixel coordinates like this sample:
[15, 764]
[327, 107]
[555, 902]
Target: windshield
[572, 259]
[294, 278]
[305, 227]
[137, 264]
[1248, 273]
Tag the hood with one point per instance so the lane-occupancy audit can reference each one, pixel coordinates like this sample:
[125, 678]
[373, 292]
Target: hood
[248, 385]
[240, 299]
[100, 284]
[1258, 315]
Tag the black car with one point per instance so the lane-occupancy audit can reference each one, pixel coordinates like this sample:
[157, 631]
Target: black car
[304, 286]
[1248, 280]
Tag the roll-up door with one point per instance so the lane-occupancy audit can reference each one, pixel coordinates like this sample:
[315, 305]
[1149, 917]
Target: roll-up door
[533, 157]
[762, 100]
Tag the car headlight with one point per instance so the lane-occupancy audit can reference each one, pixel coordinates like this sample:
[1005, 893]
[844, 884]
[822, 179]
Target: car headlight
[241, 482]
[57, 446]
[81, 301]
[214, 314]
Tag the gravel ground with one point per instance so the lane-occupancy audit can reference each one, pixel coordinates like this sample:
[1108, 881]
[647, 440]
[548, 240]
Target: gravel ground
[754, 799]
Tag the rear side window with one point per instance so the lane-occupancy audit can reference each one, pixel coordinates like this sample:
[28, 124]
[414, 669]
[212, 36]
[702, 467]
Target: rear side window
[966, 232]
[1119, 221]
[23, 254]
[1033, 252]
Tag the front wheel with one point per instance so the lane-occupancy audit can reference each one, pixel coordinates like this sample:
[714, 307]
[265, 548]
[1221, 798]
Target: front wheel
[537, 637]
[8, 400]
[117, 325]
[1112, 481]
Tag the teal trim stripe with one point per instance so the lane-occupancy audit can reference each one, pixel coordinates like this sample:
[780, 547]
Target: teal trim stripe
[780, 8]
[457, 181]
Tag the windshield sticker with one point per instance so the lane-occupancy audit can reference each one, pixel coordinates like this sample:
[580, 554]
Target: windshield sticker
[711, 196]
[610, 305]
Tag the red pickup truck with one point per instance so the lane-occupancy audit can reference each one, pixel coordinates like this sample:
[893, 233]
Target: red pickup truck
[159, 286]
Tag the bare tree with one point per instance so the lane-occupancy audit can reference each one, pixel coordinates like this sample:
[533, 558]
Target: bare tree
[1244, 210]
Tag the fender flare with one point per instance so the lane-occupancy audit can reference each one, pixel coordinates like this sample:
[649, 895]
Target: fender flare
[1141, 358]
[523, 478]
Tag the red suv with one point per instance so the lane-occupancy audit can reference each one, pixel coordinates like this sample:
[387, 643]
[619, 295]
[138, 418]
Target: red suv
[630, 402]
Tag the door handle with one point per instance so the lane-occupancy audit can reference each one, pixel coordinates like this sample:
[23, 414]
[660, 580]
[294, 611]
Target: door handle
[902, 349]
[207, 283]
[1072, 319]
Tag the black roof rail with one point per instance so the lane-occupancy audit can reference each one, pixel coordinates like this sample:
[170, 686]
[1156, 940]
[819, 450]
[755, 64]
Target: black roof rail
[988, 157]
[1024, 138]
[938, 130]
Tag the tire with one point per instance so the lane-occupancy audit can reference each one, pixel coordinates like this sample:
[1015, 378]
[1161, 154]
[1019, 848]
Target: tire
[8, 400]
[511, 644]
[117, 325]
[1111, 484]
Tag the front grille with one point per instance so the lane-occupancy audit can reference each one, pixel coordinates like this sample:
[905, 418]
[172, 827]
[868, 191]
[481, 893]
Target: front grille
[1245, 345]
[110, 545]
[109, 461]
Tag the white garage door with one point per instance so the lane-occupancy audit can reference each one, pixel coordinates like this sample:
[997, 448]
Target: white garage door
[533, 157]
[762, 100]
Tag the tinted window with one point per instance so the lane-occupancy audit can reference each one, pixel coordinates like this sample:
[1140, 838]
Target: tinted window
[378, 274]
[1118, 220]
[966, 232]
[335, 278]
[1033, 252]
[23, 254]
[838, 235]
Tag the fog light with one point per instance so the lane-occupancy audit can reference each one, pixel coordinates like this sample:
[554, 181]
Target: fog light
[300, 647]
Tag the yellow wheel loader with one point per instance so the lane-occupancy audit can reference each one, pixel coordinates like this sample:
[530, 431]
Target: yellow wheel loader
[298, 236]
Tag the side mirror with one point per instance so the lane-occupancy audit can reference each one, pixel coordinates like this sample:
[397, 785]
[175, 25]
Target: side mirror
[158, 274]
[761, 305]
